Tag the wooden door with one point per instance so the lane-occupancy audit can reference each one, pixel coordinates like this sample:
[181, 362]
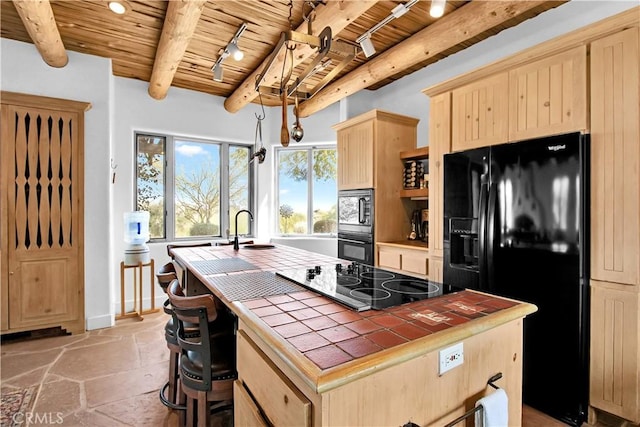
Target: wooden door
[549, 96]
[355, 156]
[480, 113]
[43, 180]
[615, 342]
[615, 158]
[439, 145]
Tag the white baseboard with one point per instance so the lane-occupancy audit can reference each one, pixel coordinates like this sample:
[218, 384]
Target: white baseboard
[100, 322]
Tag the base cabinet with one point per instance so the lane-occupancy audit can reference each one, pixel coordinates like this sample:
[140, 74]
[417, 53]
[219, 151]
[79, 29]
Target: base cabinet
[274, 396]
[615, 341]
[409, 391]
[412, 261]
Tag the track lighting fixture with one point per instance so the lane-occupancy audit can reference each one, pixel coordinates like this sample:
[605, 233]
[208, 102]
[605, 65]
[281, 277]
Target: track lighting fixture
[365, 40]
[218, 72]
[437, 8]
[231, 49]
[367, 45]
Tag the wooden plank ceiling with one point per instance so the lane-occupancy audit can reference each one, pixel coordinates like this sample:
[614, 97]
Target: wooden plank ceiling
[133, 40]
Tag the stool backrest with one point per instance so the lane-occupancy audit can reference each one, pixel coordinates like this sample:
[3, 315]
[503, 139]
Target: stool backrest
[165, 275]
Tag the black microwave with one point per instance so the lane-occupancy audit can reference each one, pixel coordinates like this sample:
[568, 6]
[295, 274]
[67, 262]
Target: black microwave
[355, 211]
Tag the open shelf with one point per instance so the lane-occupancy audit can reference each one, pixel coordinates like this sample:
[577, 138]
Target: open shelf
[415, 154]
[416, 192]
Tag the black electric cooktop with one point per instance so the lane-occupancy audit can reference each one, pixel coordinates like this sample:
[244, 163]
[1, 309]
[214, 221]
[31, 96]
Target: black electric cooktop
[363, 287]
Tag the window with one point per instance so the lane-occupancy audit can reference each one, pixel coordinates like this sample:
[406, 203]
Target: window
[187, 185]
[307, 190]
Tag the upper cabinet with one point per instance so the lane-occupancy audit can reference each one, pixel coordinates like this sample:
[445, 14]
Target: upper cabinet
[540, 98]
[549, 96]
[355, 156]
[368, 146]
[615, 158]
[480, 113]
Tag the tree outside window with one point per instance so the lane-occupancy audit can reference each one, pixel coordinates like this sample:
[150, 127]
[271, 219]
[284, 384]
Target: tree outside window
[210, 179]
[307, 191]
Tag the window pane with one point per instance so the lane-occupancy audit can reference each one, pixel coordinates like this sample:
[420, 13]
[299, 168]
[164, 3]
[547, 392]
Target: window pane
[150, 175]
[293, 191]
[197, 189]
[239, 189]
[324, 191]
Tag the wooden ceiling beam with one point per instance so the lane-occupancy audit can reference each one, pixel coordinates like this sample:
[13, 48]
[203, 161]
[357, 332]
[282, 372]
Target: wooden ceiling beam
[179, 25]
[37, 17]
[456, 27]
[336, 13]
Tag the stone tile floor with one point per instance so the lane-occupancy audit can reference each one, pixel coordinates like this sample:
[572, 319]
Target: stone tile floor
[110, 377]
[107, 377]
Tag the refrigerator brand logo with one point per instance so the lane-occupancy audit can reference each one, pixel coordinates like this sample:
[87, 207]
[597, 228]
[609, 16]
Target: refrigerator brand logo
[557, 147]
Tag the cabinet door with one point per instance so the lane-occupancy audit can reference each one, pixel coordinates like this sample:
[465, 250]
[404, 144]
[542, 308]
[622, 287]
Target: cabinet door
[615, 158]
[480, 113]
[415, 262]
[355, 156]
[245, 411]
[389, 258]
[439, 145]
[549, 96]
[276, 396]
[615, 376]
[45, 255]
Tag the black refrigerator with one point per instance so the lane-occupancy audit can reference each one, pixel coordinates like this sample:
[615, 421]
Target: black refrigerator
[515, 225]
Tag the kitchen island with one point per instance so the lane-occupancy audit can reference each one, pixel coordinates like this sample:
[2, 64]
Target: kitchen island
[303, 359]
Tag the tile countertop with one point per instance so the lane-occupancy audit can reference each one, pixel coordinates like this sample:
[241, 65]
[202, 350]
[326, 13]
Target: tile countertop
[329, 344]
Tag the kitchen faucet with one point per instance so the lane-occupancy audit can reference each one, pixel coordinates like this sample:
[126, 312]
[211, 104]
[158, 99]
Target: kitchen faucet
[236, 245]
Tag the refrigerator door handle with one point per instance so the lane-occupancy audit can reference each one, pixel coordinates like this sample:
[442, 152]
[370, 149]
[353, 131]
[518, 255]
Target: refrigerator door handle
[491, 235]
[482, 238]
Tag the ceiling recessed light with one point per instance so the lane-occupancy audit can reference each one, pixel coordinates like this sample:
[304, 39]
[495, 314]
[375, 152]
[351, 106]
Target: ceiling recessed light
[117, 7]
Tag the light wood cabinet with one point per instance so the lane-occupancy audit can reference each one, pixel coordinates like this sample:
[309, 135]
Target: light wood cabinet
[615, 345]
[615, 225]
[615, 158]
[391, 394]
[355, 156]
[435, 270]
[275, 395]
[549, 96]
[439, 145]
[42, 232]
[406, 259]
[368, 147]
[480, 113]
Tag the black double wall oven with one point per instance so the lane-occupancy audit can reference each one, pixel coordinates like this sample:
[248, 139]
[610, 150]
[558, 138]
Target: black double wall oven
[355, 225]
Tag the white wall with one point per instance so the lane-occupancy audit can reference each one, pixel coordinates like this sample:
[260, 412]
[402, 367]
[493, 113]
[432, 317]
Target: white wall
[85, 78]
[121, 106]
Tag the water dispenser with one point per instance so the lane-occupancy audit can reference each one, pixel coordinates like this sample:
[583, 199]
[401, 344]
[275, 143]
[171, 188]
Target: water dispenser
[136, 235]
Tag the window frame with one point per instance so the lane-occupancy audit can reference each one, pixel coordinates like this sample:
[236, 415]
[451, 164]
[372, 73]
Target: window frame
[169, 183]
[276, 172]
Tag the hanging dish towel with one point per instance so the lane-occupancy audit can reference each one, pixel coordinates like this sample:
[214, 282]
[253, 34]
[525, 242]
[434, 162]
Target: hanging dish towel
[495, 410]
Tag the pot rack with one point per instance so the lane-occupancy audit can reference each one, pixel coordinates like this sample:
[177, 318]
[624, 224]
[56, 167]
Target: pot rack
[325, 46]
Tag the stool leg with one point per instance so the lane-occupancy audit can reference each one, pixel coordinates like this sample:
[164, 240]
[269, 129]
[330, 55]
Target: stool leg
[190, 411]
[173, 377]
[203, 409]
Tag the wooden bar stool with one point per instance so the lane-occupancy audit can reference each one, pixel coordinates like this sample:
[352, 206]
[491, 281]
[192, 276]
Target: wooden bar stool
[207, 363]
[165, 275]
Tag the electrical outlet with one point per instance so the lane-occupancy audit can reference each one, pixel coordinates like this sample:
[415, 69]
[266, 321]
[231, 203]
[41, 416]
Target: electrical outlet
[451, 357]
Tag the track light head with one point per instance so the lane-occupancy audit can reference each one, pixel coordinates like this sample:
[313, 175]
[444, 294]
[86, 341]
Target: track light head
[367, 46]
[218, 72]
[235, 51]
[437, 8]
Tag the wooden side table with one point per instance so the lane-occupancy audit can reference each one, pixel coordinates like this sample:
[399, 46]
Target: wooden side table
[138, 282]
